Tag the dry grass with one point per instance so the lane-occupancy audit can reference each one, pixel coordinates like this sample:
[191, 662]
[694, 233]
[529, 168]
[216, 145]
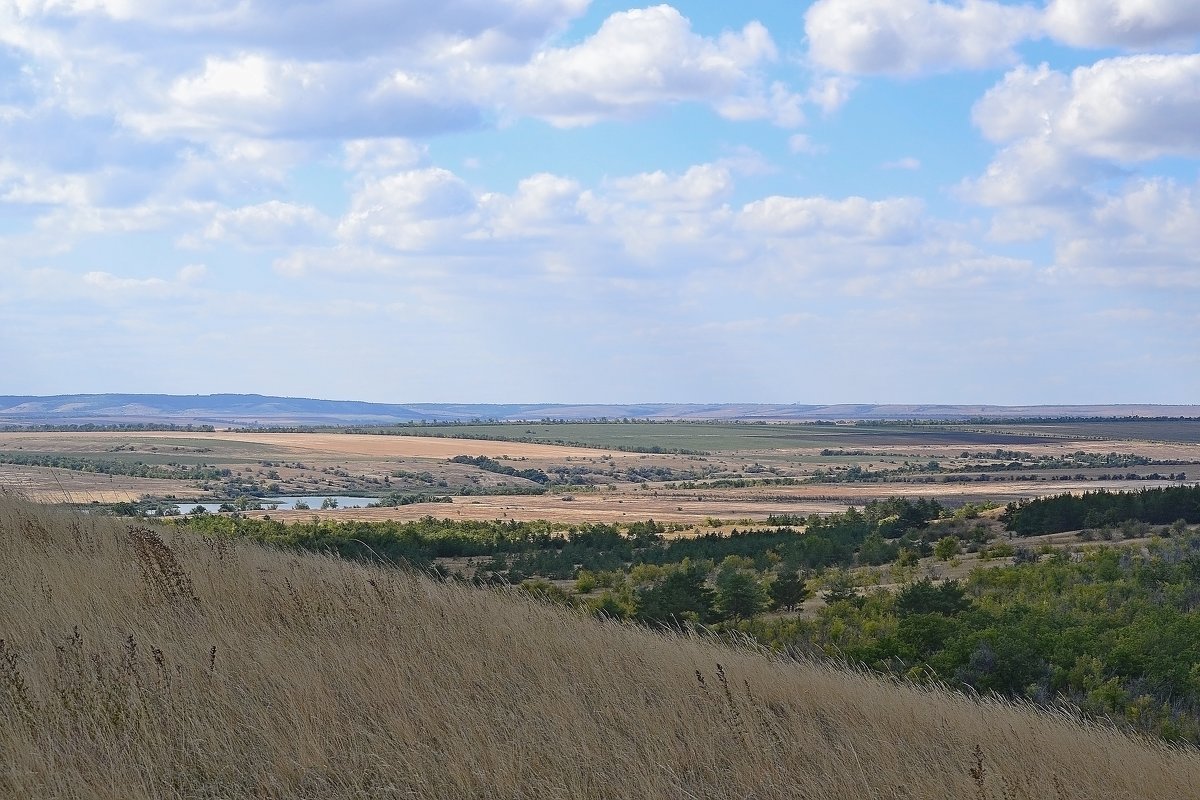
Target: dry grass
[147, 664]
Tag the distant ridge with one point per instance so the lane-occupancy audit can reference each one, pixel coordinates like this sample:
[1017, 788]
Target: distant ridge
[243, 410]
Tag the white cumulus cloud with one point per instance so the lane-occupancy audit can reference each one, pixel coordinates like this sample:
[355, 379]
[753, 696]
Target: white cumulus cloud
[1124, 23]
[700, 186]
[1066, 171]
[421, 208]
[257, 95]
[911, 37]
[1134, 108]
[1062, 133]
[1035, 171]
[878, 221]
[1024, 103]
[543, 206]
[310, 29]
[644, 58]
[1146, 233]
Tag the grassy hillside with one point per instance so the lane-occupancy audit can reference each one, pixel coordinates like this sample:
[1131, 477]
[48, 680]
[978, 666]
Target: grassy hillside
[137, 663]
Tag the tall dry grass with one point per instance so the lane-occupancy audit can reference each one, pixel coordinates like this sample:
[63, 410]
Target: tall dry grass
[138, 663]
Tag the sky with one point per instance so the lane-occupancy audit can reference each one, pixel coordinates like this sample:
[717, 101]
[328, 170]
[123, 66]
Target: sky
[863, 201]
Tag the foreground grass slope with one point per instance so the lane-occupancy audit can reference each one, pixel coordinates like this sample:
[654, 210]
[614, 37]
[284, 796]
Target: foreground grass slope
[151, 664]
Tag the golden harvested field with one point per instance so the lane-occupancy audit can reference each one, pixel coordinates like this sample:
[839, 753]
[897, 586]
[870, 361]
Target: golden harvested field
[329, 444]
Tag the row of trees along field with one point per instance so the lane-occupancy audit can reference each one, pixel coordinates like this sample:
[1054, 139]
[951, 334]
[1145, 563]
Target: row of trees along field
[1115, 630]
[109, 466]
[1103, 508]
[492, 465]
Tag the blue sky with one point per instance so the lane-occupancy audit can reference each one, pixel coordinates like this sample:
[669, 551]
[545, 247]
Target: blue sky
[563, 200]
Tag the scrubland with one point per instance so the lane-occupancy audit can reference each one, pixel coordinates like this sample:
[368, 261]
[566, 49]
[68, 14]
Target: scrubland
[139, 662]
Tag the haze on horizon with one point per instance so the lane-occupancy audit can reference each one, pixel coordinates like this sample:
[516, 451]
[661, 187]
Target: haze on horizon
[840, 201]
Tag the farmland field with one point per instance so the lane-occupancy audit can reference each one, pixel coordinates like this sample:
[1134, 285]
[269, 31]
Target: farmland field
[583, 472]
[724, 436]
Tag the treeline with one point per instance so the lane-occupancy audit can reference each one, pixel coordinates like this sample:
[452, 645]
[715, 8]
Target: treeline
[416, 543]
[137, 469]
[492, 465]
[1009, 461]
[860, 474]
[518, 550]
[1099, 509]
[1073, 461]
[1017, 459]
[737, 483]
[986, 477]
[397, 499]
[874, 536]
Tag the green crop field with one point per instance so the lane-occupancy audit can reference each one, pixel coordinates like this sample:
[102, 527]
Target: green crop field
[710, 437]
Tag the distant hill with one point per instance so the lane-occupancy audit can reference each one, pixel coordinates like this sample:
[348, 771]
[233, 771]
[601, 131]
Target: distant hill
[242, 410]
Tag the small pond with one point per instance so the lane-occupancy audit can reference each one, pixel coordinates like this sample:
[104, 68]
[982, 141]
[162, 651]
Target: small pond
[285, 503]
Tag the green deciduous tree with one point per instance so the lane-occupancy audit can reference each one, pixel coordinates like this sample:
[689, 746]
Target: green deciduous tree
[946, 548]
